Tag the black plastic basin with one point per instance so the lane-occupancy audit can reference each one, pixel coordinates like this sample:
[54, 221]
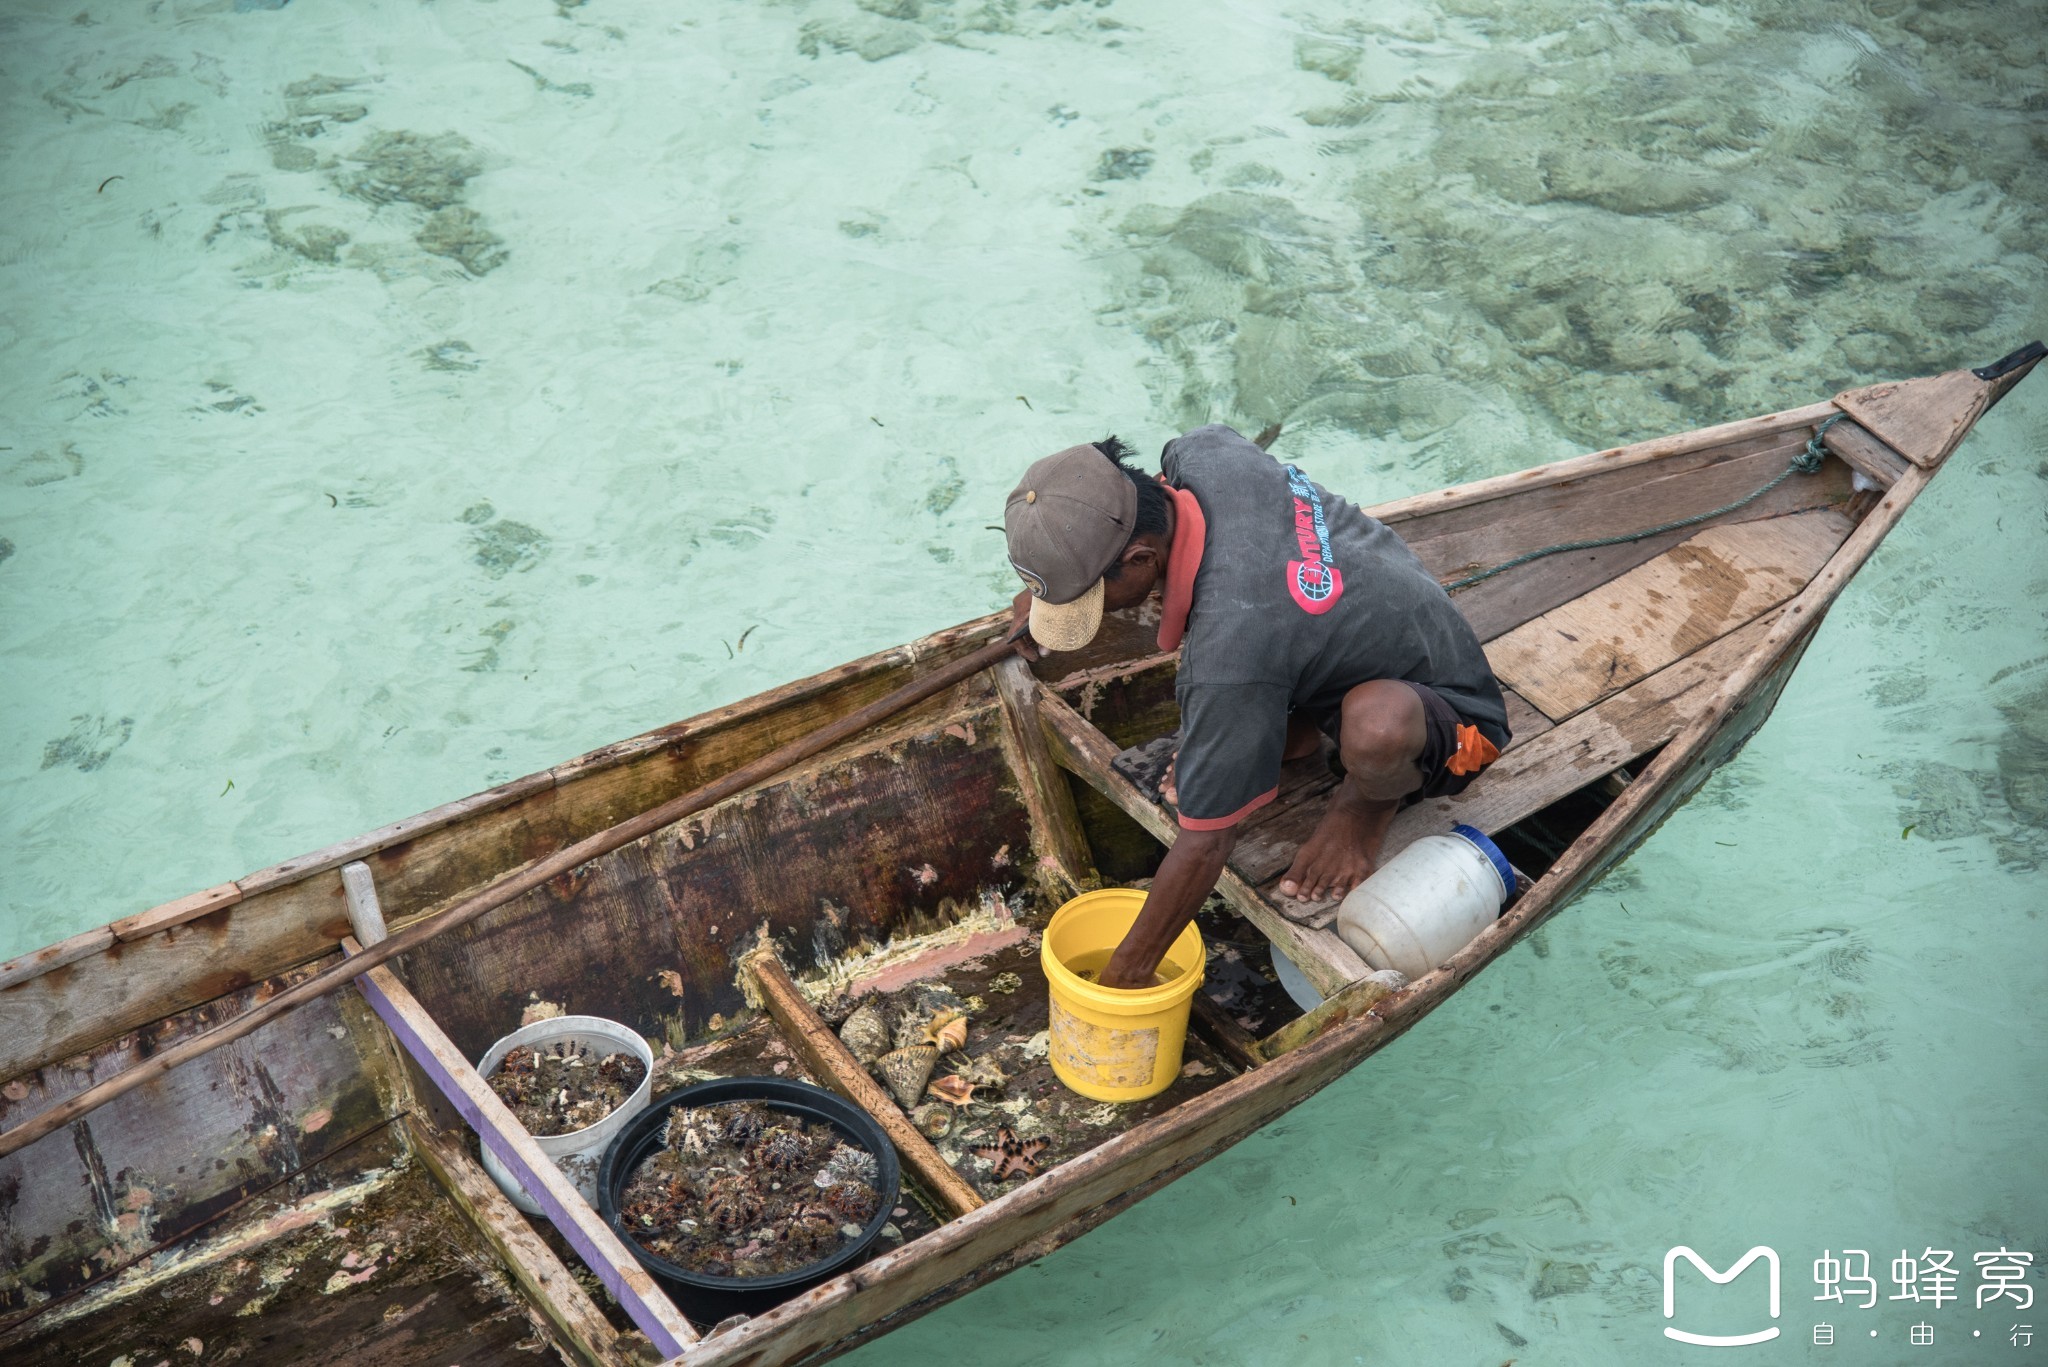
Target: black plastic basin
[710, 1299]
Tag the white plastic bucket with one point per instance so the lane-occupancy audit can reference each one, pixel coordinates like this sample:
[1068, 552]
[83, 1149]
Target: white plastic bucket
[1427, 902]
[578, 1152]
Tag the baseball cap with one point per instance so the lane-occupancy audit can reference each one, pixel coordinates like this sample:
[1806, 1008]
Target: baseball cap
[1067, 522]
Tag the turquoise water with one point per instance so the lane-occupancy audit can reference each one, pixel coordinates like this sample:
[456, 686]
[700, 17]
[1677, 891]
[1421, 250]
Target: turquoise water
[401, 397]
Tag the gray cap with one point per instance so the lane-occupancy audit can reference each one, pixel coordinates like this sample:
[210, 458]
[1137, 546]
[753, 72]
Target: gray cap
[1067, 522]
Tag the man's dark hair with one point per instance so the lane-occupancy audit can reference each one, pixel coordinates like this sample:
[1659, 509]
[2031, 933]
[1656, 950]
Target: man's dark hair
[1152, 498]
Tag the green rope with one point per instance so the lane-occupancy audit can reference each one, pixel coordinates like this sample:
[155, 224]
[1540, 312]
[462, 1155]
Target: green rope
[1805, 463]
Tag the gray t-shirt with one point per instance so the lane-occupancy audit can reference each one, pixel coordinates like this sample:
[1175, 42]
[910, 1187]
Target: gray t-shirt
[1299, 597]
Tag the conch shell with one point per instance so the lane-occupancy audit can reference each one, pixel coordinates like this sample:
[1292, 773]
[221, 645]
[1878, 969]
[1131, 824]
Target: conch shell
[907, 1070]
[948, 1030]
[953, 1089]
[866, 1032]
[984, 1072]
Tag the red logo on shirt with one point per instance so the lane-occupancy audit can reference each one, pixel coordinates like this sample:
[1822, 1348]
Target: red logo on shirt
[1312, 580]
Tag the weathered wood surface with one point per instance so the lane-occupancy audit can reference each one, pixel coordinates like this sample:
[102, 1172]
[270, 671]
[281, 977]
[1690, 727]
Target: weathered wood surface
[1924, 419]
[1055, 825]
[359, 1263]
[551, 1190]
[1072, 685]
[1493, 607]
[1763, 429]
[294, 911]
[1223, 1032]
[176, 913]
[1476, 538]
[1126, 635]
[1630, 723]
[1500, 604]
[54, 1006]
[1354, 1001]
[840, 852]
[34, 964]
[161, 1163]
[832, 1063]
[1741, 698]
[550, 1288]
[1525, 723]
[1856, 445]
[1128, 708]
[1324, 960]
[1072, 1196]
[1663, 610]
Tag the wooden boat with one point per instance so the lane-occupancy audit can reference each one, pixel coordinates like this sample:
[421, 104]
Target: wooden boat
[312, 1192]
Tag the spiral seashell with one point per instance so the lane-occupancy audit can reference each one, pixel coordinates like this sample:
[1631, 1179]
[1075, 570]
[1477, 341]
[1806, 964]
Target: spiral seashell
[854, 1202]
[907, 1070]
[780, 1150]
[934, 1120]
[953, 1089]
[948, 1030]
[866, 1032]
[731, 1204]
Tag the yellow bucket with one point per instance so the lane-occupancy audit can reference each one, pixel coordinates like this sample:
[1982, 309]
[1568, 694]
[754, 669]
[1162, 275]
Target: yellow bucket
[1115, 1044]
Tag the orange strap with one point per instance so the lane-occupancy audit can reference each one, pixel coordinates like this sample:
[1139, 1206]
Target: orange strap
[1474, 752]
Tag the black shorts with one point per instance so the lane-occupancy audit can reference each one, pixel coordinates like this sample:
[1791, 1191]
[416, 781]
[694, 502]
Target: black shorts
[1440, 723]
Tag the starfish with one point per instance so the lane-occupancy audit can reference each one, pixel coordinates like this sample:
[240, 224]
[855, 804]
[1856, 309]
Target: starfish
[1011, 1156]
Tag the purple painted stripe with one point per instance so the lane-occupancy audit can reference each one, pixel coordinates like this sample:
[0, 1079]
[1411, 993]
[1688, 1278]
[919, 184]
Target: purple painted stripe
[569, 1222]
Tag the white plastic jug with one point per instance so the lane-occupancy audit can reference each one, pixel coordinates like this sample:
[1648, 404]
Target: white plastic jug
[1427, 902]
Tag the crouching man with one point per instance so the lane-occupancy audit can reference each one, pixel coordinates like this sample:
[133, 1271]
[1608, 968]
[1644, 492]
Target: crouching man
[1296, 616]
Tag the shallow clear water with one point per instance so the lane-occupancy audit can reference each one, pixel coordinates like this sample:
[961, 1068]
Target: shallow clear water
[399, 398]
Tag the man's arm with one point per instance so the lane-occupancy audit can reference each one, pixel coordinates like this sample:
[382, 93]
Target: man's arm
[1183, 882]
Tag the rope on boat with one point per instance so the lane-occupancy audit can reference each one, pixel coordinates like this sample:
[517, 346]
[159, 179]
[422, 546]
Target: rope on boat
[1807, 462]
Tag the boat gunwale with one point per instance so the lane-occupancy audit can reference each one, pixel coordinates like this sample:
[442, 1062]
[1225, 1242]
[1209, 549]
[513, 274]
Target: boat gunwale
[933, 649]
[1570, 468]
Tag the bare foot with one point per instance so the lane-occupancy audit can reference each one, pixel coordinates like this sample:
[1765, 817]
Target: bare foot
[1343, 850]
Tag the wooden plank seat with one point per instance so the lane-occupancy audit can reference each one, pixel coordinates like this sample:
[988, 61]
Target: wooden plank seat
[1663, 610]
